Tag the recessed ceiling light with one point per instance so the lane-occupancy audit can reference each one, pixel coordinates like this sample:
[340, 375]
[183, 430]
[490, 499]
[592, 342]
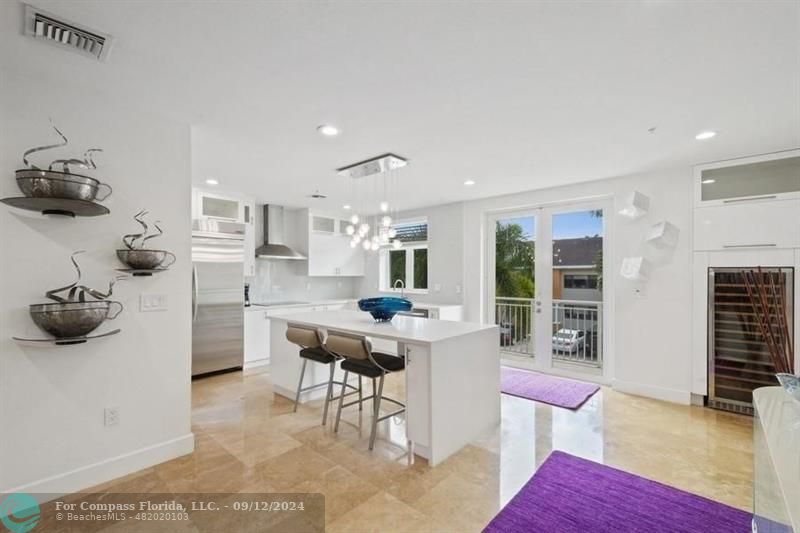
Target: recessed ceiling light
[211, 181]
[469, 183]
[708, 181]
[328, 130]
[346, 206]
[702, 136]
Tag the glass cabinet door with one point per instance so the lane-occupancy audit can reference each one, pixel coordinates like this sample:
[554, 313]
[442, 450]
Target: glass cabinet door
[761, 179]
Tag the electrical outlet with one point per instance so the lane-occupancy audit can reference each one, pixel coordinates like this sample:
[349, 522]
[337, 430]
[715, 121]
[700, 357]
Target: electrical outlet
[458, 289]
[152, 302]
[111, 415]
[437, 287]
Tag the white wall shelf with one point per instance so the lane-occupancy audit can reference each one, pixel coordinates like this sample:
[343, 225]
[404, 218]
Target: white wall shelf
[635, 206]
[663, 235]
[635, 268]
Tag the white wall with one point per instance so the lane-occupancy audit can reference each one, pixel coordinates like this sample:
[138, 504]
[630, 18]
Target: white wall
[651, 337]
[52, 399]
[650, 344]
[445, 251]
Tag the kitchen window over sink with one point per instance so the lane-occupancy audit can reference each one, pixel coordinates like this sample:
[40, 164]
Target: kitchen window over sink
[410, 262]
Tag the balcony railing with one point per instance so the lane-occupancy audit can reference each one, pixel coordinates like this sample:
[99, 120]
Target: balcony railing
[576, 335]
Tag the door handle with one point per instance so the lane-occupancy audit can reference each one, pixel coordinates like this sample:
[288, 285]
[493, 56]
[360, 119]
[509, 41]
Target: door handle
[195, 292]
[764, 245]
[753, 199]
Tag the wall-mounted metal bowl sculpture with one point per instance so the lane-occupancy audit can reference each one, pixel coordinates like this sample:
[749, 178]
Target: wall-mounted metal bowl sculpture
[54, 192]
[383, 308]
[146, 259]
[140, 260]
[73, 319]
[53, 184]
[78, 310]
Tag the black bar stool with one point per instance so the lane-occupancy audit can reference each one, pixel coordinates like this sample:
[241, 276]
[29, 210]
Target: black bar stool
[360, 359]
[312, 348]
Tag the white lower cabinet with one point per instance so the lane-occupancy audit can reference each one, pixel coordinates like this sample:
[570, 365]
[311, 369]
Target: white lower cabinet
[418, 405]
[256, 337]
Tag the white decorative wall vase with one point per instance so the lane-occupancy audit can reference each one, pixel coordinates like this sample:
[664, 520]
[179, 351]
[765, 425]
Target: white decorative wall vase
[635, 206]
[634, 268]
[663, 235]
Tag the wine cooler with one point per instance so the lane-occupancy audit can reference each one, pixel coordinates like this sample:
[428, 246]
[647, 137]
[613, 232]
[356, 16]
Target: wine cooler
[738, 358]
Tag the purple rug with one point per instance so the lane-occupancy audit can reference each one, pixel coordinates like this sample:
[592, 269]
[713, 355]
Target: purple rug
[568, 494]
[548, 389]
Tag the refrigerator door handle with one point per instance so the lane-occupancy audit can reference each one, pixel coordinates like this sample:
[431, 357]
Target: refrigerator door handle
[195, 291]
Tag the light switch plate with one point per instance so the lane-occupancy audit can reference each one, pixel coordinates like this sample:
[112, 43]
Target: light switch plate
[152, 302]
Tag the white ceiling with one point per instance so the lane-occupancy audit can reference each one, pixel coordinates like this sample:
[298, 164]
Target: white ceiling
[514, 95]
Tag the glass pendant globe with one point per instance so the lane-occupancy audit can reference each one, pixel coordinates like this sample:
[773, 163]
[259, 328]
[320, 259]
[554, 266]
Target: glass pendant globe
[396, 244]
[363, 228]
[375, 246]
[384, 238]
[354, 219]
[386, 221]
[357, 238]
[384, 206]
[366, 244]
[350, 229]
[392, 233]
[353, 243]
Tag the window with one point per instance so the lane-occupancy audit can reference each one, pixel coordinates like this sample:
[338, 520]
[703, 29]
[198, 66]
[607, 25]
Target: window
[580, 281]
[410, 263]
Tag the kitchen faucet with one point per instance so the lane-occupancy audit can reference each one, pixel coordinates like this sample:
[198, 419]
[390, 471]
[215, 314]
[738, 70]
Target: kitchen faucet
[402, 287]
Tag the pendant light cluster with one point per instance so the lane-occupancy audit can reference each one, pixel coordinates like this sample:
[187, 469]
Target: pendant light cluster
[373, 231]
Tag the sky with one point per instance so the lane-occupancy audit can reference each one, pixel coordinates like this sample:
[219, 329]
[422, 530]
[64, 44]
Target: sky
[565, 225]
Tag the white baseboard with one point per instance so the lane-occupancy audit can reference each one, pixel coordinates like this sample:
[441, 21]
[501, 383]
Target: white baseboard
[106, 470]
[255, 363]
[651, 391]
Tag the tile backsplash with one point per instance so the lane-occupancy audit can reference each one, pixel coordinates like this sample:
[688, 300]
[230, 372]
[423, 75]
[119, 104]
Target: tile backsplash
[278, 280]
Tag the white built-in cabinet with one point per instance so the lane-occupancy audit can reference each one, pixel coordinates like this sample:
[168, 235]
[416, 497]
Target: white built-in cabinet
[757, 224]
[207, 205]
[327, 246]
[751, 202]
[746, 214]
[257, 327]
[256, 337]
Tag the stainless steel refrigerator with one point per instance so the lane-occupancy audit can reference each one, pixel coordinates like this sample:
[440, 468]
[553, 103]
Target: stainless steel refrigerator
[217, 296]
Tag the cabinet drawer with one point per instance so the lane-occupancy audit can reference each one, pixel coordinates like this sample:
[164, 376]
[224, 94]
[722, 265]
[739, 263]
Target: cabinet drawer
[748, 225]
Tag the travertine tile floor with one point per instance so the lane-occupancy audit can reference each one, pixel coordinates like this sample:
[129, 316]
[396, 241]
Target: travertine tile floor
[249, 440]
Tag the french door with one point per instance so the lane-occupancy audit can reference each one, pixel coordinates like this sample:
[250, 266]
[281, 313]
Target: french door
[545, 289]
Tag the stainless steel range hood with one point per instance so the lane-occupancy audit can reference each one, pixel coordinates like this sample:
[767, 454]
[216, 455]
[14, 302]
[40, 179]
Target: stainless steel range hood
[274, 246]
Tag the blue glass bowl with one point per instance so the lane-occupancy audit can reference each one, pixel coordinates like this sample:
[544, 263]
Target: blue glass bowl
[384, 308]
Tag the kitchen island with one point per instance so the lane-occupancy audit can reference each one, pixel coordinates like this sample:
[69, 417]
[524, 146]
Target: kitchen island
[452, 373]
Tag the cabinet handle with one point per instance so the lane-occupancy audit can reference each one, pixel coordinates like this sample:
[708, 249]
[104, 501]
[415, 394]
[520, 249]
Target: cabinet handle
[748, 245]
[408, 355]
[755, 198]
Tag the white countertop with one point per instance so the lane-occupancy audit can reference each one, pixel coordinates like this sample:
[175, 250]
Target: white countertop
[266, 307]
[401, 328]
[779, 416]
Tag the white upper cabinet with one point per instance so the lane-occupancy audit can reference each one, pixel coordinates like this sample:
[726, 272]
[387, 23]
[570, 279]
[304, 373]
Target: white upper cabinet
[751, 179]
[758, 224]
[748, 203]
[328, 247]
[323, 224]
[209, 205]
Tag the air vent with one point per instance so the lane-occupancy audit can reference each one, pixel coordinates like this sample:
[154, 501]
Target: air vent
[49, 28]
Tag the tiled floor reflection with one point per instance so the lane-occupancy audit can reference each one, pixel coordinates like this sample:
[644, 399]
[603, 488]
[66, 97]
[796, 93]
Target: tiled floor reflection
[248, 440]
